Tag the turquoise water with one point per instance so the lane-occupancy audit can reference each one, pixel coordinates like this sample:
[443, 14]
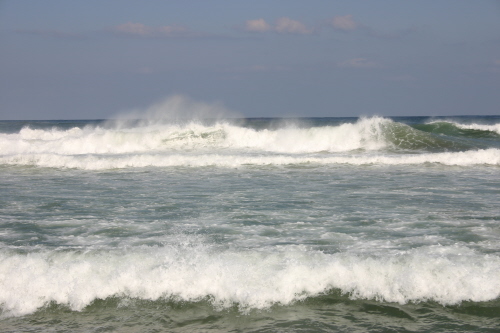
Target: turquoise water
[256, 225]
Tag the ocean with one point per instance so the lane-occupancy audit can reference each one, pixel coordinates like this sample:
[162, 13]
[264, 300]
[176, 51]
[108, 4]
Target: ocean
[370, 224]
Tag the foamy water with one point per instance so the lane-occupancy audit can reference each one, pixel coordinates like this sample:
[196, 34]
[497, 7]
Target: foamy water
[367, 141]
[240, 223]
[250, 279]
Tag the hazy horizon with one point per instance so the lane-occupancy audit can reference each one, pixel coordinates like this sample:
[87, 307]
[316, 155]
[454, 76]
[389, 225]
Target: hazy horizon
[97, 60]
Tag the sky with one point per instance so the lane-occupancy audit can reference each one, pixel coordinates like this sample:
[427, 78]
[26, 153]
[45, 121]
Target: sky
[97, 59]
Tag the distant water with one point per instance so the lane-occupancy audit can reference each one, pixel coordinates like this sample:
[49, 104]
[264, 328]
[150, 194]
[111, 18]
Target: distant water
[251, 225]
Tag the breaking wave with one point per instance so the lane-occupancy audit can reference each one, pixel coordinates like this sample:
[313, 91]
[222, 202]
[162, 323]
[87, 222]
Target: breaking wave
[473, 131]
[374, 140]
[247, 279]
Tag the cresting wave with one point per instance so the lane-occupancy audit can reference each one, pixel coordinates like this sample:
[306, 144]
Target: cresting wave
[493, 129]
[365, 134]
[373, 140]
[249, 280]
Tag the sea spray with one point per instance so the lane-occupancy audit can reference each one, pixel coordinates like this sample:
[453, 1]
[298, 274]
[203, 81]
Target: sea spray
[178, 109]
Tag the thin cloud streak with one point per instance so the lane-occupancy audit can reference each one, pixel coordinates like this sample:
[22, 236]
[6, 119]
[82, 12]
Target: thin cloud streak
[283, 25]
[358, 63]
[141, 30]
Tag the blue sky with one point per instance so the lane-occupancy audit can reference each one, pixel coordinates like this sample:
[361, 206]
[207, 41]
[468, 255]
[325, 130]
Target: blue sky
[96, 59]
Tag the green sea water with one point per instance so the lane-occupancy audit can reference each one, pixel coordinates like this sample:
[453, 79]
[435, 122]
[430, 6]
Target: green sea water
[250, 225]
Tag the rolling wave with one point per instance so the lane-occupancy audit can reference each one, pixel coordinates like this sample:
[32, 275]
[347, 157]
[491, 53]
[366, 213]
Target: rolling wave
[249, 280]
[474, 131]
[374, 140]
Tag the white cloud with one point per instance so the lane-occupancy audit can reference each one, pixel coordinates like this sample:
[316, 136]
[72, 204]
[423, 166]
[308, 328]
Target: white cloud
[284, 25]
[287, 25]
[141, 30]
[133, 29]
[358, 63]
[259, 25]
[344, 23]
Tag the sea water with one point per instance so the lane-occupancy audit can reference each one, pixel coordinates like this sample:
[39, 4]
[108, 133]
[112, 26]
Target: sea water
[250, 225]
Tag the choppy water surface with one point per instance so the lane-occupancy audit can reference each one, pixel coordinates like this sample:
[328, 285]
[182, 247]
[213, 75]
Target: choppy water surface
[257, 225]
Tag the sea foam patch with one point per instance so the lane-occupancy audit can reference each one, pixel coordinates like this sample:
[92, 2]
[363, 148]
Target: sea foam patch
[228, 160]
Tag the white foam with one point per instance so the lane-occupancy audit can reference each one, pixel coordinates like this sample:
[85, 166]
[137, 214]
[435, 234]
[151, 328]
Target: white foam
[221, 144]
[228, 160]
[252, 280]
[367, 133]
[481, 127]
[492, 128]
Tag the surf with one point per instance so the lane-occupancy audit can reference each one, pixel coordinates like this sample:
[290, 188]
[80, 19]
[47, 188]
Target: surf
[248, 280]
[231, 143]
